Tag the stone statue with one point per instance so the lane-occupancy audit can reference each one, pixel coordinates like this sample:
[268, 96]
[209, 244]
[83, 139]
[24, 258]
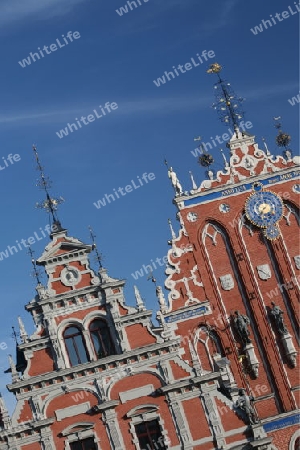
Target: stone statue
[175, 182]
[241, 323]
[277, 314]
[244, 403]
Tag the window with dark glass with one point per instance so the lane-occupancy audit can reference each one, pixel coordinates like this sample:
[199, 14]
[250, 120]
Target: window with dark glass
[84, 444]
[75, 346]
[101, 338]
[149, 435]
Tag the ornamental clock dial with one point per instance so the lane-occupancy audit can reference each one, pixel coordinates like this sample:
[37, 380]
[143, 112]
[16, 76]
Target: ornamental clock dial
[264, 208]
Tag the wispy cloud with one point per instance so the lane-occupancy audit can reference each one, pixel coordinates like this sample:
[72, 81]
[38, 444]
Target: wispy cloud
[159, 106]
[270, 91]
[16, 10]
[148, 106]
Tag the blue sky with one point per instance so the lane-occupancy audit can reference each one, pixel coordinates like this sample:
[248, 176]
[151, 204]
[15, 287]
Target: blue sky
[116, 59]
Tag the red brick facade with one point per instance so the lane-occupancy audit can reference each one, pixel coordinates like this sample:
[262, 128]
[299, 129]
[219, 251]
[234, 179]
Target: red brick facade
[99, 371]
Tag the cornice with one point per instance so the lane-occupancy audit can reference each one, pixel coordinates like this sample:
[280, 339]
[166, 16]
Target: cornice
[132, 357]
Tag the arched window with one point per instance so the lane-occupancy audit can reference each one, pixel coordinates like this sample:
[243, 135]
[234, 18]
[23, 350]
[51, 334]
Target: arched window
[101, 338]
[75, 346]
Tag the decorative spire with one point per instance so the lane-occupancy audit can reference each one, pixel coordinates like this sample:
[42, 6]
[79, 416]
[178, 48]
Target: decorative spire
[4, 416]
[13, 370]
[161, 299]
[227, 103]
[193, 181]
[283, 139]
[98, 255]
[23, 333]
[172, 230]
[49, 204]
[35, 273]
[139, 301]
[268, 153]
[224, 157]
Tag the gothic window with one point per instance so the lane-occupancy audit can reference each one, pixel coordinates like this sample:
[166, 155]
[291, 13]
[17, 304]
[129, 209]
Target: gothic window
[101, 338]
[84, 444]
[75, 346]
[149, 435]
[208, 345]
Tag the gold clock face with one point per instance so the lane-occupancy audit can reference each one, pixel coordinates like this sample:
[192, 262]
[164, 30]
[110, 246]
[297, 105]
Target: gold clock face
[264, 208]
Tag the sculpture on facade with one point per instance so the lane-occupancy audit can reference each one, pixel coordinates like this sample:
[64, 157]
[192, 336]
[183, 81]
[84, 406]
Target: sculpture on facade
[277, 314]
[241, 323]
[244, 403]
[175, 182]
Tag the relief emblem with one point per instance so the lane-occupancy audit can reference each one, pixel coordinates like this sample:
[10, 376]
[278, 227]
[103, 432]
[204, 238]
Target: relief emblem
[264, 271]
[227, 282]
[297, 261]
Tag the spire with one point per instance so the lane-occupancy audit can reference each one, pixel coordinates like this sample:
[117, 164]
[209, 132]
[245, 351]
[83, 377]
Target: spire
[161, 299]
[268, 153]
[225, 160]
[23, 333]
[13, 370]
[193, 181]
[139, 301]
[4, 416]
[49, 204]
[35, 273]
[94, 247]
[172, 230]
[227, 103]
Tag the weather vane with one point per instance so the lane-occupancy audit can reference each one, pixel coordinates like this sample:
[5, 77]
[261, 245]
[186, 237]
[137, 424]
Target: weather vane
[98, 255]
[228, 105]
[35, 273]
[49, 204]
[151, 277]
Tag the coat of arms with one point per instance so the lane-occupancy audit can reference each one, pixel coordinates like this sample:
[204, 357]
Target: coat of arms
[297, 261]
[264, 271]
[227, 282]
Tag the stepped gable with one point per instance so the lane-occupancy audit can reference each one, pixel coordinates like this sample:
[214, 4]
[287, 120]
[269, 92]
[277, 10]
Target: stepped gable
[247, 160]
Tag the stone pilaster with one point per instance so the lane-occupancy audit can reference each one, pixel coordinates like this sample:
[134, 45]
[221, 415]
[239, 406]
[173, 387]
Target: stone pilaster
[181, 424]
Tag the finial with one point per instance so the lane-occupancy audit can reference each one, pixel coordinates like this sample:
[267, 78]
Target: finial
[161, 299]
[12, 370]
[35, 273]
[224, 157]
[268, 153]
[139, 301]
[49, 204]
[23, 334]
[283, 139]
[4, 416]
[98, 255]
[193, 181]
[228, 105]
[172, 230]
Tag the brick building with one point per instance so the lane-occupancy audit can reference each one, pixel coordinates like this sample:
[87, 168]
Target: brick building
[220, 370]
